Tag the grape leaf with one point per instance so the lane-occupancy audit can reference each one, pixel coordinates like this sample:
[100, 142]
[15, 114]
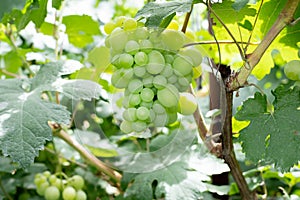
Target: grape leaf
[264, 136]
[24, 116]
[156, 12]
[180, 180]
[239, 4]
[80, 29]
[238, 23]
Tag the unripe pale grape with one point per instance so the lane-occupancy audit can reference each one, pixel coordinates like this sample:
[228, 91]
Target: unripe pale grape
[156, 62]
[80, 195]
[172, 117]
[158, 108]
[119, 21]
[134, 99]
[160, 120]
[146, 104]
[52, 179]
[194, 54]
[141, 33]
[182, 65]
[141, 58]
[52, 193]
[135, 86]
[69, 193]
[292, 70]
[159, 81]
[42, 188]
[173, 25]
[76, 181]
[139, 126]
[147, 95]
[146, 46]
[142, 113]
[109, 27]
[168, 71]
[130, 114]
[121, 78]
[118, 39]
[58, 183]
[125, 60]
[47, 174]
[168, 96]
[172, 79]
[187, 104]
[148, 81]
[126, 126]
[169, 58]
[139, 71]
[173, 40]
[129, 24]
[132, 47]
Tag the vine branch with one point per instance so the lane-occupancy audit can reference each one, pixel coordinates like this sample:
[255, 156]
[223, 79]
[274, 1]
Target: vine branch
[285, 18]
[114, 175]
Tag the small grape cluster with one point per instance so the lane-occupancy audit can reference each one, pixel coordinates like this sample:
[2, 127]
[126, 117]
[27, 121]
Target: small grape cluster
[155, 72]
[53, 188]
[292, 71]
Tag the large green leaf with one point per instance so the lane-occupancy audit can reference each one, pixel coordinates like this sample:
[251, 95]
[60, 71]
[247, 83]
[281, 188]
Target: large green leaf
[80, 29]
[184, 179]
[157, 13]
[264, 137]
[24, 116]
[241, 21]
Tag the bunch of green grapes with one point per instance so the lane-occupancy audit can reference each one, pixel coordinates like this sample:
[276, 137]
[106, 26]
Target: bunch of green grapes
[292, 71]
[155, 72]
[54, 188]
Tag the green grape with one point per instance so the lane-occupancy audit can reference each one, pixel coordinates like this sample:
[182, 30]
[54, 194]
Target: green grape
[52, 193]
[142, 113]
[173, 40]
[172, 117]
[130, 114]
[126, 126]
[141, 33]
[169, 58]
[183, 81]
[125, 102]
[156, 62]
[141, 58]
[146, 104]
[168, 71]
[119, 21]
[39, 179]
[173, 25]
[76, 181]
[139, 71]
[168, 96]
[52, 179]
[148, 81]
[139, 126]
[109, 27]
[118, 39]
[58, 183]
[146, 46]
[158, 108]
[69, 193]
[160, 120]
[292, 70]
[47, 174]
[172, 79]
[129, 24]
[147, 95]
[194, 54]
[134, 99]
[135, 86]
[80, 195]
[125, 61]
[182, 65]
[42, 188]
[132, 47]
[187, 104]
[159, 81]
[121, 78]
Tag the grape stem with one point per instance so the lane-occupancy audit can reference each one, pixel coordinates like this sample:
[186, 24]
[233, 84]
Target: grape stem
[101, 166]
[220, 42]
[285, 18]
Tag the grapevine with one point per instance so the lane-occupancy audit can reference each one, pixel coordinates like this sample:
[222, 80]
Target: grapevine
[155, 72]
